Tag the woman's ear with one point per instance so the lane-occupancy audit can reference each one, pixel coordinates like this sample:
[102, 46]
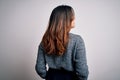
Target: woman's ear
[73, 23]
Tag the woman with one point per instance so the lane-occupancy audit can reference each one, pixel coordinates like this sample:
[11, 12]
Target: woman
[64, 52]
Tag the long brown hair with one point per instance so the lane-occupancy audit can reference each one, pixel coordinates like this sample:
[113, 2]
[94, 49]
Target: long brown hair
[56, 37]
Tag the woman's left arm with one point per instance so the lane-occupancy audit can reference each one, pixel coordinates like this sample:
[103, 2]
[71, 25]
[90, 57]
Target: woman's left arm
[40, 66]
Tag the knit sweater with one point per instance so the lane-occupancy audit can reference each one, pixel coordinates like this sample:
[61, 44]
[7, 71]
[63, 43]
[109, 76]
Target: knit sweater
[75, 55]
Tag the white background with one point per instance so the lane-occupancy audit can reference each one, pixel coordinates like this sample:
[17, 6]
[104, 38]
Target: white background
[23, 23]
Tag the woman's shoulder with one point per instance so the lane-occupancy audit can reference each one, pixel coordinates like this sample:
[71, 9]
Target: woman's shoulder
[75, 36]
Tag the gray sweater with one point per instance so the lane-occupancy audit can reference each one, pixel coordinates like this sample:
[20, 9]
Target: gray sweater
[75, 54]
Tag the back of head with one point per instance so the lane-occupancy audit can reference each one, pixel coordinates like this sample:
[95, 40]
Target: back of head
[56, 37]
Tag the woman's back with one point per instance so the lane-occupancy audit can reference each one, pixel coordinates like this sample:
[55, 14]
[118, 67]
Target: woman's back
[64, 61]
[74, 58]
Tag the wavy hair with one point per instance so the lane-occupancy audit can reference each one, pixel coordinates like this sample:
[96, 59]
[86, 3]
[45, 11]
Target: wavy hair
[56, 37]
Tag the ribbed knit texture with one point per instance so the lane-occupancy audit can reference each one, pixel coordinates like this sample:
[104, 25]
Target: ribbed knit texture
[74, 55]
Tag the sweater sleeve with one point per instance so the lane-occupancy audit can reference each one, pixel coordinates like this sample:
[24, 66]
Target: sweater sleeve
[40, 66]
[81, 67]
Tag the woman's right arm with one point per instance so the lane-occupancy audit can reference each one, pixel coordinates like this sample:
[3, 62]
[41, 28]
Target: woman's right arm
[81, 66]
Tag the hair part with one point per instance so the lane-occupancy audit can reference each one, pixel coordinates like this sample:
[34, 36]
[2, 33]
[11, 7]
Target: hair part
[56, 37]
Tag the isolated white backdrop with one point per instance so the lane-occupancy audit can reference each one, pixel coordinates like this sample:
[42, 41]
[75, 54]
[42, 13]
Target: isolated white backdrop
[23, 23]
